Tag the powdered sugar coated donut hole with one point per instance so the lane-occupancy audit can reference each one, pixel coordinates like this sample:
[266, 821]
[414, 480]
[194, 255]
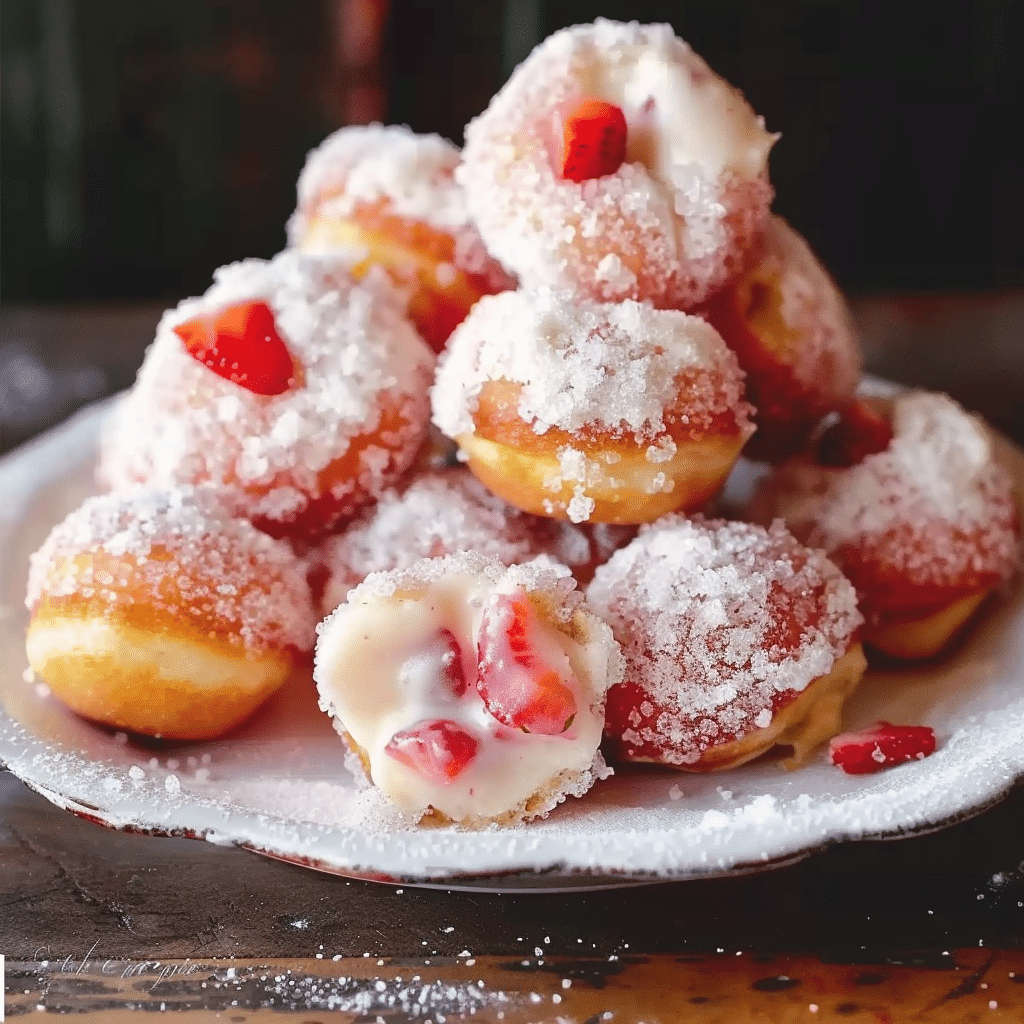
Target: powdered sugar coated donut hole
[722, 626]
[439, 513]
[412, 175]
[442, 512]
[930, 519]
[676, 220]
[159, 612]
[383, 195]
[297, 462]
[591, 411]
[793, 334]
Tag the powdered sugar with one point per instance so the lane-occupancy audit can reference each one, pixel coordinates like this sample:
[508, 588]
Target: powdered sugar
[181, 554]
[616, 367]
[673, 222]
[583, 546]
[353, 422]
[718, 621]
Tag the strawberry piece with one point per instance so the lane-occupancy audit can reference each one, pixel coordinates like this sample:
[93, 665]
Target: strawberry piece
[438, 664]
[240, 343]
[440, 750]
[860, 431]
[517, 687]
[588, 138]
[881, 746]
[451, 672]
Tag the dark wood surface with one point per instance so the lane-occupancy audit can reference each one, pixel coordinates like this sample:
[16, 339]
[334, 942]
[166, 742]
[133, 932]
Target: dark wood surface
[80, 905]
[68, 883]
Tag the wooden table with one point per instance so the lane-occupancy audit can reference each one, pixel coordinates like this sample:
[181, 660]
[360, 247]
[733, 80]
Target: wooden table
[923, 929]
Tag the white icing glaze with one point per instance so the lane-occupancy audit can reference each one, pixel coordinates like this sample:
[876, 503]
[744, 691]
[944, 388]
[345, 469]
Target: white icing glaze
[370, 678]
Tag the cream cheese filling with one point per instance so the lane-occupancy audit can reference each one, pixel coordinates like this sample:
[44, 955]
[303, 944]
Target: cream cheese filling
[679, 114]
[371, 681]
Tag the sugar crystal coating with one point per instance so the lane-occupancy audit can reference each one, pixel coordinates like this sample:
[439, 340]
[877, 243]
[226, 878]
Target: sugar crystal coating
[935, 509]
[674, 222]
[793, 334]
[825, 355]
[446, 511]
[613, 366]
[180, 553]
[366, 163]
[408, 175]
[439, 513]
[549, 581]
[359, 402]
[720, 623]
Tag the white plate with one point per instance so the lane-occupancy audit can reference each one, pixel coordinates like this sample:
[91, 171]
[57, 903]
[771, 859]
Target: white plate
[279, 786]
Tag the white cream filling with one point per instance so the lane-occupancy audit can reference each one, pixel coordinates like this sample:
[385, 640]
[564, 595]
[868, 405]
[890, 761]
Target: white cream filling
[366, 680]
[680, 113]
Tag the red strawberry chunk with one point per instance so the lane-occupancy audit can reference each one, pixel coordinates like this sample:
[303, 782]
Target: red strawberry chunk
[881, 746]
[440, 750]
[437, 666]
[860, 431]
[587, 138]
[517, 687]
[241, 344]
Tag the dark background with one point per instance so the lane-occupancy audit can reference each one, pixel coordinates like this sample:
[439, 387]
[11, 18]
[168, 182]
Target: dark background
[145, 143]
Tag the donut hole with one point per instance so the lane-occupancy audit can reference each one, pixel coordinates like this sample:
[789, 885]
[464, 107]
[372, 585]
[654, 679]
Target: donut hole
[157, 612]
[386, 197]
[789, 326]
[735, 638]
[384, 669]
[673, 223]
[924, 528]
[599, 474]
